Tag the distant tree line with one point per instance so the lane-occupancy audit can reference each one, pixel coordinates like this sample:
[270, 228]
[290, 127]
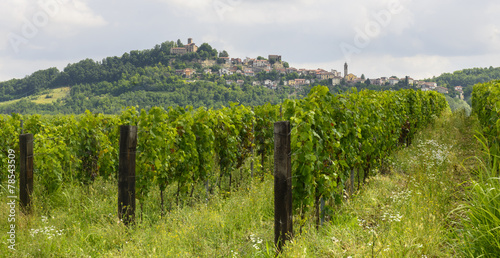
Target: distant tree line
[466, 78]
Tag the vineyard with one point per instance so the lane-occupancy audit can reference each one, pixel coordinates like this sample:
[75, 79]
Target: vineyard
[486, 106]
[482, 232]
[337, 143]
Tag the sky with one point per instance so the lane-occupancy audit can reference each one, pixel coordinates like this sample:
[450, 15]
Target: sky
[376, 38]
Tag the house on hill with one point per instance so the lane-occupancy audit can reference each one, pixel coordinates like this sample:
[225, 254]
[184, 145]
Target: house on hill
[378, 81]
[430, 85]
[188, 72]
[393, 81]
[410, 80]
[336, 80]
[236, 61]
[190, 47]
[350, 77]
[441, 89]
[324, 75]
[274, 58]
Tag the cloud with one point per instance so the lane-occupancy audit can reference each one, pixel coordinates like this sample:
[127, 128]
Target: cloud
[23, 21]
[192, 4]
[424, 37]
[73, 16]
[19, 68]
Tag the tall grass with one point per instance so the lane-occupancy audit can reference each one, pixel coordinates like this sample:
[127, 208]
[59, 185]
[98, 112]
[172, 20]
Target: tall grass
[481, 225]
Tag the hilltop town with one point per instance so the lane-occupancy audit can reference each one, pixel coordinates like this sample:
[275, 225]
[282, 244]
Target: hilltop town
[177, 74]
[293, 77]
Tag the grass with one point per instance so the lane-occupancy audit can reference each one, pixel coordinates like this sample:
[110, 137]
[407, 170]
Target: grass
[481, 224]
[81, 221]
[409, 212]
[52, 95]
[46, 97]
[405, 213]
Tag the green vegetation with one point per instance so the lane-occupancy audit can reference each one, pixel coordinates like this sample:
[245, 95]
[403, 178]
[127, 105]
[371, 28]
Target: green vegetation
[204, 161]
[45, 97]
[154, 77]
[457, 104]
[333, 135]
[176, 153]
[466, 78]
[145, 78]
[481, 231]
[404, 211]
[431, 199]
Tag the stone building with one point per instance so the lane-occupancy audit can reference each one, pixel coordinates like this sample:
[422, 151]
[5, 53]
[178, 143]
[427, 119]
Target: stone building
[190, 47]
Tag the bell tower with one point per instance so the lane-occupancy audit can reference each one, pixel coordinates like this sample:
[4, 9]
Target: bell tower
[345, 70]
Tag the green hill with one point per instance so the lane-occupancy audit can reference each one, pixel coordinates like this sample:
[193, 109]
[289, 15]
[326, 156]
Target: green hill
[154, 77]
[146, 78]
[467, 78]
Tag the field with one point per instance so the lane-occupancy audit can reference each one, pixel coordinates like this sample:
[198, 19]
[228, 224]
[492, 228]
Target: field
[380, 174]
[408, 210]
[46, 97]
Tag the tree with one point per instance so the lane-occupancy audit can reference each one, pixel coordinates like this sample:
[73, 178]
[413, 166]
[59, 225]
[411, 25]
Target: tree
[261, 58]
[363, 76]
[206, 51]
[368, 82]
[286, 65]
[179, 43]
[223, 54]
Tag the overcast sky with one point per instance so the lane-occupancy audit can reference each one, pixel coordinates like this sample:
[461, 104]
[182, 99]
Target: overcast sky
[377, 38]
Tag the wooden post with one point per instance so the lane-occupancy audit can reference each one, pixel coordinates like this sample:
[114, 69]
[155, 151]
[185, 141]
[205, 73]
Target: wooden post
[351, 190]
[126, 174]
[26, 171]
[251, 148]
[283, 228]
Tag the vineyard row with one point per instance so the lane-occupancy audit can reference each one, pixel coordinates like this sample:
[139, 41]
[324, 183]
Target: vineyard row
[331, 136]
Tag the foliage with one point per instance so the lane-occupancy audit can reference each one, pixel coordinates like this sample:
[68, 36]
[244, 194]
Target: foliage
[96, 73]
[467, 78]
[223, 54]
[401, 214]
[481, 226]
[334, 134]
[458, 104]
[486, 106]
[148, 87]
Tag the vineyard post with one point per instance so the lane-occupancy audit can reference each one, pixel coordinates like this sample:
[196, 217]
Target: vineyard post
[283, 228]
[126, 174]
[26, 171]
[351, 190]
[251, 147]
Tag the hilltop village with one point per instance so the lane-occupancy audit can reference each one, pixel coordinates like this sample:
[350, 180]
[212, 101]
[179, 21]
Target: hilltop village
[293, 77]
[177, 74]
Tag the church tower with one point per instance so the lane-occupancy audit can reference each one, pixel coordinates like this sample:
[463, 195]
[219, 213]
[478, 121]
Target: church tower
[345, 70]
